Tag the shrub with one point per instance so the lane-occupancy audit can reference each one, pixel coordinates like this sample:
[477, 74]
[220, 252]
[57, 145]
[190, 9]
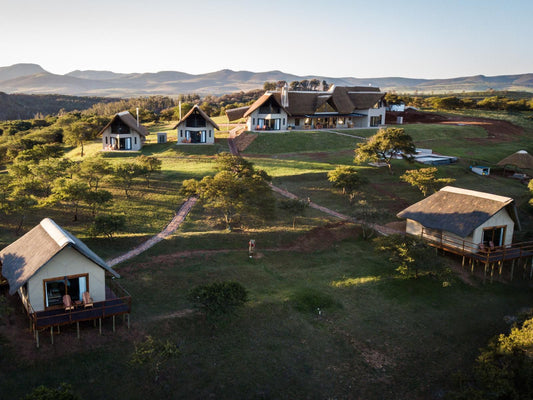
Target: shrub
[218, 298]
[63, 392]
[107, 225]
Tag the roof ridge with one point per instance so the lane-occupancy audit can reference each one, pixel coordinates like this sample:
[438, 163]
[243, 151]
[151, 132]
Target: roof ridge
[56, 233]
[475, 193]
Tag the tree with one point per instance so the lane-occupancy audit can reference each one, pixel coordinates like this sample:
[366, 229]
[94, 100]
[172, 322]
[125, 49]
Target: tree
[71, 191]
[237, 189]
[346, 178]
[314, 84]
[325, 85]
[94, 170]
[425, 179]
[124, 175]
[107, 225]
[295, 207]
[294, 85]
[409, 254]
[149, 165]
[504, 369]
[218, 298]
[384, 146]
[78, 133]
[269, 86]
[95, 198]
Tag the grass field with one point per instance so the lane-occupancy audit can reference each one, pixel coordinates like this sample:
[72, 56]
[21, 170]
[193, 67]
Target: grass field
[377, 336]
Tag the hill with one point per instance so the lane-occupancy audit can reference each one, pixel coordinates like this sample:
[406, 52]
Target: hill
[26, 106]
[33, 79]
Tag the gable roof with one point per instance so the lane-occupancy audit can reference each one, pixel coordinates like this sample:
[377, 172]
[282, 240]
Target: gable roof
[345, 99]
[236, 113]
[201, 112]
[27, 255]
[129, 120]
[457, 210]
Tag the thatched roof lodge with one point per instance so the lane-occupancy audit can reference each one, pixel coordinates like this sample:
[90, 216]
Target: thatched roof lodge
[123, 132]
[463, 217]
[55, 274]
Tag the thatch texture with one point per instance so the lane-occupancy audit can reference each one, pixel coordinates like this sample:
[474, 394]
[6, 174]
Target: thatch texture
[236, 113]
[521, 159]
[24, 257]
[456, 210]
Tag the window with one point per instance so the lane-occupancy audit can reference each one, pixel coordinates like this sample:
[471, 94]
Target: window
[135, 139]
[56, 288]
[209, 133]
[106, 140]
[269, 107]
[283, 121]
[253, 121]
[117, 126]
[375, 121]
[195, 120]
[181, 133]
[297, 121]
[196, 136]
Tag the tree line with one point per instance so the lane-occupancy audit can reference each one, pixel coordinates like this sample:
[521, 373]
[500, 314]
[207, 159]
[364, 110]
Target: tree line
[491, 102]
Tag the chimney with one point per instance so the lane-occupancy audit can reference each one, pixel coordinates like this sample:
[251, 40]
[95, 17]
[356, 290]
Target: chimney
[285, 96]
[137, 117]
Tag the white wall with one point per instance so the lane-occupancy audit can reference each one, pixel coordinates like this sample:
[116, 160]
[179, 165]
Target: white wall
[209, 128]
[65, 263]
[501, 218]
[255, 116]
[133, 135]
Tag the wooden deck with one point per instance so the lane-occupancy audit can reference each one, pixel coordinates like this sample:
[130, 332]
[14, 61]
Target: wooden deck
[516, 255]
[117, 302]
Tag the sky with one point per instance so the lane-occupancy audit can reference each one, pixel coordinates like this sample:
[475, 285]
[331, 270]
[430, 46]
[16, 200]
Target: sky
[333, 38]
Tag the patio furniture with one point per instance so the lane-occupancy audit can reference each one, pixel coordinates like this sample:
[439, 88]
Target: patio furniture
[87, 299]
[67, 302]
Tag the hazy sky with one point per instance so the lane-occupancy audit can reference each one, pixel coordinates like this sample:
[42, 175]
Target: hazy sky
[409, 38]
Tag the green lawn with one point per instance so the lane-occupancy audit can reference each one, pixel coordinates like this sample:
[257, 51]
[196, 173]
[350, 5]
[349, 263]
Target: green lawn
[378, 336]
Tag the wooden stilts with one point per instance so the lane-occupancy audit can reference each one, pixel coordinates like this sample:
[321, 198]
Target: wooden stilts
[100, 325]
[78, 328]
[485, 272]
[113, 323]
[491, 272]
[512, 270]
[500, 263]
[531, 270]
[463, 263]
[58, 332]
[37, 338]
[94, 323]
[472, 266]
[52, 334]
[128, 321]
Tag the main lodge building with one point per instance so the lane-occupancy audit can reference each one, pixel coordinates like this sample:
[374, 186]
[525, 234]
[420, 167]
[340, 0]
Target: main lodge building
[339, 107]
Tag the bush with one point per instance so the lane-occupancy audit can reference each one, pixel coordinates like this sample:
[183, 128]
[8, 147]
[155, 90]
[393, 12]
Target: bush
[63, 392]
[218, 298]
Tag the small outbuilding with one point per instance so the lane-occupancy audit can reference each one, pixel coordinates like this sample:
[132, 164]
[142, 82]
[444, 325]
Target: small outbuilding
[196, 128]
[464, 219]
[123, 133]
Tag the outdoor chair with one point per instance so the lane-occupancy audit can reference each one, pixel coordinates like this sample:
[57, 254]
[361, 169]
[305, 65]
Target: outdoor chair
[87, 299]
[67, 302]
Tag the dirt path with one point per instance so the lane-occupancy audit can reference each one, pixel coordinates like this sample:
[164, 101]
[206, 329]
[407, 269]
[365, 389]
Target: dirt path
[170, 229]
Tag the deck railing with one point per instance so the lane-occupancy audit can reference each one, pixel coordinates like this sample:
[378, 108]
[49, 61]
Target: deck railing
[118, 303]
[475, 250]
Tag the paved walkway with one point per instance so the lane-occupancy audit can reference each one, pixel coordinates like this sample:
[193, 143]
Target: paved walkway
[169, 230]
[347, 134]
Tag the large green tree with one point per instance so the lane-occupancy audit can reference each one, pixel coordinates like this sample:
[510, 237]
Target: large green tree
[384, 146]
[237, 190]
[94, 170]
[78, 133]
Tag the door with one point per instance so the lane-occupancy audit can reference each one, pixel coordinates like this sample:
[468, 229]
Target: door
[494, 236]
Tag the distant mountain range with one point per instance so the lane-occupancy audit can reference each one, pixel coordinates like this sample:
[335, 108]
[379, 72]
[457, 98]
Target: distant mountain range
[33, 79]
